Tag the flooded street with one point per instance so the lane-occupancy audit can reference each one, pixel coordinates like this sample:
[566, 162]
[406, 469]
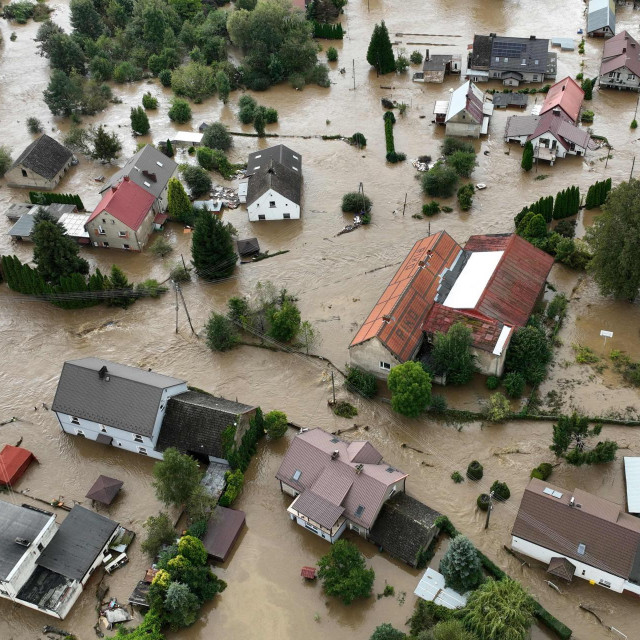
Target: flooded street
[337, 281]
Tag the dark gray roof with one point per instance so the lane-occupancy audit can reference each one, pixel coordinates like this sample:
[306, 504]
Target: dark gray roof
[18, 209]
[194, 422]
[275, 176]
[601, 14]
[129, 399]
[280, 153]
[45, 589]
[44, 156]
[146, 160]
[24, 226]
[506, 53]
[248, 247]
[404, 527]
[437, 62]
[506, 99]
[17, 522]
[77, 543]
[481, 52]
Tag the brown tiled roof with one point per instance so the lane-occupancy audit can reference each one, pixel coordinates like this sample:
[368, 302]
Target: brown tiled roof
[611, 538]
[317, 508]
[364, 452]
[397, 318]
[561, 567]
[342, 482]
[566, 95]
[621, 51]
[488, 242]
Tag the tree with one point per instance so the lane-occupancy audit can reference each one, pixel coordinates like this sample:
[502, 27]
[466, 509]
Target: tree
[410, 387]
[451, 354]
[62, 95]
[499, 407]
[55, 253]
[259, 122]
[149, 102]
[34, 125]
[527, 156]
[85, 20]
[284, 322]
[186, 8]
[332, 54]
[139, 121]
[179, 205]
[176, 477]
[450, 145]
[387, 632]
[587, 87]
[308, 335]
[461, 566]
[355, 202]
[160, 532]
[463, 163]
[216, 136]
[193, 550]
[276, 424]
[194, 80]
[380, 52]
[465, 196]
[499, 610]
[160, 247]
[181, 605]
[221, 333]
[120, 285]
[106, 146]
[180, 111]
[5, 160]
[570, 437]
[529, 354]
[223, 85]
[168, 149]
[615, 241]
[65, 54]
[514, 383]
[440, 181]
[344, 573]
[197, 179]
[212, 248]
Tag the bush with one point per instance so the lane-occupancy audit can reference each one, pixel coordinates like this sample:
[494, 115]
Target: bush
[160, 247]
[197, 179]
[345, 410]
[475, 470]
[410, 387]
[361, 382]
[34, 125]
[358, 139]
[431, 208]
[499, 408]
[440, 181]
[197, 529]
[416, 57]
[332, 54]
[438, 404]
[179, 273]
[465, 196]
[402, 63]
[493, 382]
[586, 116]
[165, 77]
[634, 124]
[126, 72]
[270, 115]
[451, 145]
[235, 482]
[542, 471]
[275, 424]
[566, 228]
[221, 333]
[528, 354]
[463, 162]
[354, 202]
[483, 501]
[456, 476]
[216, 136]
[5, 160]
[514, 384]
[500, 491]
[180, 111]
[344, 573]
[149, 102]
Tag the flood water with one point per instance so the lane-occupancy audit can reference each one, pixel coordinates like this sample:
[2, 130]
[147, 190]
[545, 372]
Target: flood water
[337, 281]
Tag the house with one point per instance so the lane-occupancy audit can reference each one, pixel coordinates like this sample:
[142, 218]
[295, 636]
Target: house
[114, 404]
[632, 480]
[336, 484]
[274, 189]
[44, 566]
[565, 96]
[23, 216]
[579, 534]
[467, 113]
[151, 170]
[436, 67]
[552, 135]
[124, 217]
[512, 60]
[601, 18]
[620, 67]
[41, 165]
[492, 286]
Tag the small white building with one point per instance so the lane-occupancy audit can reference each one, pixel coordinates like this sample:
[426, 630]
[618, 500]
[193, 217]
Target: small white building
[274, 189]
[632, 479]
[467, 113]
[432, 589]
[579, 534]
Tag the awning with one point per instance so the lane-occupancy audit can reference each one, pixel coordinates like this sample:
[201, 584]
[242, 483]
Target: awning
[104, 489]
[561, 567]
[103, 438]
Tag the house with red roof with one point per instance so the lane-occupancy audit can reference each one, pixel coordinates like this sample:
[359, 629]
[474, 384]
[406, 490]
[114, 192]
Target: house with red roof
[491, 285]
[565, 96]
[620, 68]
[124, 217]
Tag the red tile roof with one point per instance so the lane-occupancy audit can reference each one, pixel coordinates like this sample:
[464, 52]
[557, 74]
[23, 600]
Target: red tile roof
[397, 317]
[621, 51]
[566, 95]
[13, 463]
[126, 202]
[484, 331]
[488, 242]
[516, 283]
[308, 572]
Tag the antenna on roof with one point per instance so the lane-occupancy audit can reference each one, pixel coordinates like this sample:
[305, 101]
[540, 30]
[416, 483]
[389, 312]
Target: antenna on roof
[103, 373]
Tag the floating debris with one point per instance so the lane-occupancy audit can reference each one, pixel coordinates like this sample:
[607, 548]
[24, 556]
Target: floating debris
[420, 166]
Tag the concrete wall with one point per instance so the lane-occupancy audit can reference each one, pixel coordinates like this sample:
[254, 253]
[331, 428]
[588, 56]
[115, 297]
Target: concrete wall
[488, 363]
[620, 79]
[283, 207]
[368, 356]
[462, 128]
[112, 227]
[32, 180]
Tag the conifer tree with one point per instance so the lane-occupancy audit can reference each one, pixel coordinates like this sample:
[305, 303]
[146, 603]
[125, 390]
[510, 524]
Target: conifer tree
[212, 250]
[169, 149]
[119, 282]
[461, 566]
[380, 52]
[179, 205]
[527, 157]
[55, 253]
[139, 121]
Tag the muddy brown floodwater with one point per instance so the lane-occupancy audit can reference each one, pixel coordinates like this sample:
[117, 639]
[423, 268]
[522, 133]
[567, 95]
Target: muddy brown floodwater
[337, 280]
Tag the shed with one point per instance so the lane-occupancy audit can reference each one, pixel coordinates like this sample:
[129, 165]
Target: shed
[215, 206]
[503, 100]
[248, 247]
[13, 463]
[223, 530]
[187, 137]
[632, 479]
[105, 489]
[432, 589]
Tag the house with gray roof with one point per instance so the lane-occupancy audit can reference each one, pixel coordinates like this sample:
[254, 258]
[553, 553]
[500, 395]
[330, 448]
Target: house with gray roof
[436, 67]
[150, 169]
[114, 404]
[41, 165]
[601, 18]
[336, 484]
[578, 534]
[620, 67]
[512, 60]
[274, 188]
[23, 227]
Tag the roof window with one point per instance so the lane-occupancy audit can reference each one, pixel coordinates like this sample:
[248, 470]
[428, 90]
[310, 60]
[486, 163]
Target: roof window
[359, 510]
[390, 469]
[159, 163]
[551, 492]
[147, 184]
[334, 440]
[582, 548]
[296, 475]
[136, 168]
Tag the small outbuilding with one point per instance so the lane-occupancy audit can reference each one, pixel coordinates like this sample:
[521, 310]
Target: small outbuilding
[432, 589]
[105, 489]
[561, 567]
[248, 247]
[223, 529]
[14, 461]
[601, 18]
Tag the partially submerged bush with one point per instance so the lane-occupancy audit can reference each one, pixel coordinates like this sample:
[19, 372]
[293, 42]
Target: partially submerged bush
[361, 381]
[542, 471]
[456, 476]
[475, 470]
[493, 382]
[354, 202]
[483, 501]
[345, 410]
[500, 490]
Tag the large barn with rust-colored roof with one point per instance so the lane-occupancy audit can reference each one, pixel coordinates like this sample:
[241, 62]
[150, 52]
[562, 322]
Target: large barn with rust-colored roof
[491, 285]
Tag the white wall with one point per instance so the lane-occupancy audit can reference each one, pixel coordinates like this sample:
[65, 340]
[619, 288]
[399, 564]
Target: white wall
[584, 571]
[283, 206]
[368, 356]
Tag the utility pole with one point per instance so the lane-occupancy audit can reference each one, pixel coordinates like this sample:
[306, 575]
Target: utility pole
[404, 206]
[608, 150]
[175, 286]
[353, 61]
[183, 263]
[636, 113]
[333, 386]
[486, 524]
[632, 164]
[184, 304]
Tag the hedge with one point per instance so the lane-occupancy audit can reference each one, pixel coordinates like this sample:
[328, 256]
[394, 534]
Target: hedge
[44, 197]
[235, 482]
[239, 456]
[327, 31]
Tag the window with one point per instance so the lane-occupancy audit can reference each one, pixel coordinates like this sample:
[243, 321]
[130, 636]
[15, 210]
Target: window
[506, 59]
[497, 59]
[122, 234]
[535, 62]
[142, 451]
[359, 510]
[272, 203]
[535, 77]
[105, 244]
[261, 216]
[524, 61]
[296, 475]
[101, 230]
[24, 173]
[385, 365]
[581, 549]
[611, 74]
[286, 216]
[354, 527]
[80, 433]
[104, 221]
[137, 437]
[631, 76]
[126, 246]
[159, 163]
[147, 184]
[103, 428]
[40, 547]
[393, 490]
[75, 420]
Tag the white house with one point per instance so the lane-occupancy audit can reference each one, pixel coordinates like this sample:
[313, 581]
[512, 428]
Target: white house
[579, 534]
[114, 404]
[620, 68]
[274, 188]
[467, 113]
[44, 566]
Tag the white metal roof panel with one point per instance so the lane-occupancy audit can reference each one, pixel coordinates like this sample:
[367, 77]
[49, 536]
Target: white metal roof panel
[431, 588]
[441, 107]
[187, 136]
[458, 100]
[73, 224]
[502, 339]
[632, 478]
[473, 279]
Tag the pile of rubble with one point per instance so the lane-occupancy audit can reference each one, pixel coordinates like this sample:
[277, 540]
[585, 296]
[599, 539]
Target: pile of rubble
[113, 613]
[228, 196]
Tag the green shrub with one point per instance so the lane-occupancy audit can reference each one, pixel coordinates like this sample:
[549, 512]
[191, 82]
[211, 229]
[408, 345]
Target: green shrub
[499, 407]
[180, 111]
[34, 125]
[542, 471]
[493, 382]
[332, 54]
[197, 529]
[514, 384]
[345, 410]
[270, 115]
[500, 490]
[160, 247]
[465, 196]
[586, 116]
[440, 181]
[179, 273]
[165, 77]
[431, 208]
[361, 381]
[456, 476]
[561, 630]
[354, 202]
[358, 139]
[235, 482]
[276, 424]
[438, 404]
[149, 102]
[483, 501]
[416, 57]
[634, 124]
[475, 470]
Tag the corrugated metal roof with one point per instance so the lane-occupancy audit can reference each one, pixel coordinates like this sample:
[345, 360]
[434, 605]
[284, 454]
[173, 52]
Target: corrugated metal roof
[621, 51]
[468, 97]
[601, 14]
[632, 478]
[518, 126]
[566, 95]
[432, 589]
[473, 279]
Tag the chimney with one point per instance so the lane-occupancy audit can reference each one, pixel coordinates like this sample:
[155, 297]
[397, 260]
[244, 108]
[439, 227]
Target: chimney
[426, 56]
[492, 35]
[422, 263]
[532, 37]
[572, 502]
[359, 468]
[126, 178]
[386, 318]
[114, 188]
[103, 373]
[335, 454]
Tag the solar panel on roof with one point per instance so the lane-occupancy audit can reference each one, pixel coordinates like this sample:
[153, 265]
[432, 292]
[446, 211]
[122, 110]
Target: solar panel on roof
[508, 49]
